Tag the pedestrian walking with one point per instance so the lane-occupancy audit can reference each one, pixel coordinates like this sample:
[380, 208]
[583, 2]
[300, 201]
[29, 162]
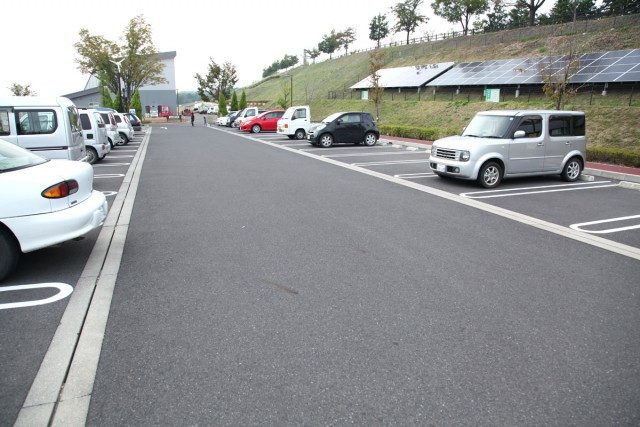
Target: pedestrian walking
[193, 118]
[205, 120]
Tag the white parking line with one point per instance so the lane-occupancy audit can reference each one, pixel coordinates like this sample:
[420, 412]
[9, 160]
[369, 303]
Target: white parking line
[126, 156]
[112, 164]
[124, 151]
[64, 291]
[352, 147]
[386, 153]
[109, 193]
[391, 162]
[584, 186]
[604, 221]
[296, 145]
[108, 175]
[415, 175]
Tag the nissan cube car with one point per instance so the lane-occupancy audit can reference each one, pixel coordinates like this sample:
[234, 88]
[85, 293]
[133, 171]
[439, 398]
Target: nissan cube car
[353, 127]
[504, 144]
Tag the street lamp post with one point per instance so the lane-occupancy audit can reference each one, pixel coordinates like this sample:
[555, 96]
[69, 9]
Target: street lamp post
[119, 78]
[291, 94]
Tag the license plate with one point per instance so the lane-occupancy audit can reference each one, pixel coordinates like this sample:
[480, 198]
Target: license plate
[441, 168]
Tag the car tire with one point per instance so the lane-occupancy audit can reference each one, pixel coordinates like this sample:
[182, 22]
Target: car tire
[370, 139]
[124, 138]
[490, 175]
[256, 129]
[325, 140]
[92, 155]
[9, 253]
[572, 169]
[300, 134]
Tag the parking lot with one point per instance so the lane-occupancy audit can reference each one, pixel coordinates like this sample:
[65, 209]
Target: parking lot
[600, 207]
[33, 299]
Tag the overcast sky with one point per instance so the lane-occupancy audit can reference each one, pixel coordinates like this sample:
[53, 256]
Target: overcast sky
[250, 34]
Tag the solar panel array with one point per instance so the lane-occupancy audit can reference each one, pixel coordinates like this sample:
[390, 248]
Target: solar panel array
[602, 67]
[413, 76]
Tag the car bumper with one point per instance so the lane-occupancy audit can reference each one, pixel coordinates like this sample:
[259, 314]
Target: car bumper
[464, 170]
[39, 231]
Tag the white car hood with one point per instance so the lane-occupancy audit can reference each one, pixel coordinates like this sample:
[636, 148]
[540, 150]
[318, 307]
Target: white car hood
[461, 142]
[22, 189]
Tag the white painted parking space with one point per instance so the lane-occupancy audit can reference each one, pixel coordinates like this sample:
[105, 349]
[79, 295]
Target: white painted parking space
[391, 162]
[347, 147]
[64, 291]
[120, 150]
[126, 156]
[109, 193]
[386, 153]
[415, 175]
[111, 164]
[524, 191]
[108, 175]
[580, 227]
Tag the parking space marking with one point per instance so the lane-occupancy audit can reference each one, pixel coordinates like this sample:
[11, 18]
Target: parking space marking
[391, 162]
[386, 153]
[584, 186]
[415, 175]
[604, 221]
[121, 157]
[112, 164]
[108, 175]
[295, 145]
[109, 193]
[124, 151]
[64, 291]
[352, 147]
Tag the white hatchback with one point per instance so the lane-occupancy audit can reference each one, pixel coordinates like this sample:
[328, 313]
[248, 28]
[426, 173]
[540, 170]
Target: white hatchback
[43, 203]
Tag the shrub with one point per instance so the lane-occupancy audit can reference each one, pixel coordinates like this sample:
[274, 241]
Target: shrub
[616, 156]
[427, 134]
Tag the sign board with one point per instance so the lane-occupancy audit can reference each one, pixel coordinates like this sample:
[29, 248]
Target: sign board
[492, 95]
[132, 111]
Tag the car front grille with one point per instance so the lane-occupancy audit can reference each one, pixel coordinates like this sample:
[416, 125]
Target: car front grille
[444, 153]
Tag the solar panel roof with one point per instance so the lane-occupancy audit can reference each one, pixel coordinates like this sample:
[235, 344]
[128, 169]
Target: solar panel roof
[412, 76]
[601, 67]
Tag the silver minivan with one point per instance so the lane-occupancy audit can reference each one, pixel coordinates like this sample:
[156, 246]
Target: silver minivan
[502, 144]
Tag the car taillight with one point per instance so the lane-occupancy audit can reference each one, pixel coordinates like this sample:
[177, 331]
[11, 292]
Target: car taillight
[286, 125]
[60, 190]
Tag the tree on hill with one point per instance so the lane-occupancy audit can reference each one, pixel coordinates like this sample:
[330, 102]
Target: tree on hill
[283, 101]
[518, 17]
[329, 44]
[497, 19]
[286, 62]
[408, 17]
[531, 6]
[234, 102]
[347, 37]
[570, 10]
[313, 53]
[218, 79]
[20, 90]
[376, 62]
[122, 67]
[243, 101]
[619, 7]
[459, 10]
[222, 105]
[378, 28]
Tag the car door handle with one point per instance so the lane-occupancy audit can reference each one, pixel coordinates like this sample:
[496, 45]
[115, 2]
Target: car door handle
[567, 143]
[540, 144]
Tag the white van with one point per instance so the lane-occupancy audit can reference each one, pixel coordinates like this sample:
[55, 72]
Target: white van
[95, 135]
[111, 125]
[47, 126]
[295, 122]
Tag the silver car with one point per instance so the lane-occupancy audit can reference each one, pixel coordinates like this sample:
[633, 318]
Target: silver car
[503, 144]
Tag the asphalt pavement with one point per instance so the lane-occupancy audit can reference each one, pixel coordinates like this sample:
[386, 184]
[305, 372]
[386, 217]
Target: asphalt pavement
[262, 287]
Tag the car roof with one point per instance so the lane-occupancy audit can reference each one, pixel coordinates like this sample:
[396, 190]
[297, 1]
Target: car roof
[34, 101]
[526, 112]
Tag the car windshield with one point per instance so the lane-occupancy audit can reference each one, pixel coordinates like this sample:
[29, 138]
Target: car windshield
[287, 114]
[331, 118]
[482, 126]
[13, 157]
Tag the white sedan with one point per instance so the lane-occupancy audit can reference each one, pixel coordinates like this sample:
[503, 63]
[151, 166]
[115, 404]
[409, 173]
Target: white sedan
[222, 121]
[43, 203]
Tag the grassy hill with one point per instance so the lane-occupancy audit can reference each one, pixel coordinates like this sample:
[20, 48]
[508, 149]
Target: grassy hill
[611, 121]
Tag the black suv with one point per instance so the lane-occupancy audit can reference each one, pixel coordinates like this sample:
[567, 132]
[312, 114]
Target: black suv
[352, 127]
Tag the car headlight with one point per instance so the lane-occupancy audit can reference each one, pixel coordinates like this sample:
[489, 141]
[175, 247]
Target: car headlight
[320, 127]
[465, 156]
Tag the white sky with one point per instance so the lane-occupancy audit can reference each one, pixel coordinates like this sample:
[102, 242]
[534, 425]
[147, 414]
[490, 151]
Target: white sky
[250, 34]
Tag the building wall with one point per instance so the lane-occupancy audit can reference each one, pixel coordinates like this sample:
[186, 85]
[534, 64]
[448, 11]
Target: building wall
[153, 98]
[169, 73]
[90, 100]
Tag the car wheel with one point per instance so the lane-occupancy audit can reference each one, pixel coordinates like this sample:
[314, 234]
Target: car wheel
[370, 139]
[125, 139]
[326, 140]
[92, 155]
[255, 129]
[300, 134]
[490, 175]
[9, 253]
[572, 170]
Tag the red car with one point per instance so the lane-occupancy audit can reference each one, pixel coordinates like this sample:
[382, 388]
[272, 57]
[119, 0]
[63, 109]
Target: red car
[265, 121]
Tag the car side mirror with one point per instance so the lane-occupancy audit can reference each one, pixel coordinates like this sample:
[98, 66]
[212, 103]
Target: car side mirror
[339, 122]
[519, 134]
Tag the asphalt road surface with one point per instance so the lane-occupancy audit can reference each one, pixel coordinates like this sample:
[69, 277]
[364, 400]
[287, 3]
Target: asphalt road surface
[259, 286]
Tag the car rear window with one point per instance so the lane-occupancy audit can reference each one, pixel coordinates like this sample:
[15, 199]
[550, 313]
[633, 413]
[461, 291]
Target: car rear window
[578, 125]
[118, 119]
[4, 123]
[84, 120]
[13, 157]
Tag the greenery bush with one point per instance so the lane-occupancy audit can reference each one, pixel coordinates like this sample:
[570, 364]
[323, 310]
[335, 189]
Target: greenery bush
[616, 156]
[414, 132]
